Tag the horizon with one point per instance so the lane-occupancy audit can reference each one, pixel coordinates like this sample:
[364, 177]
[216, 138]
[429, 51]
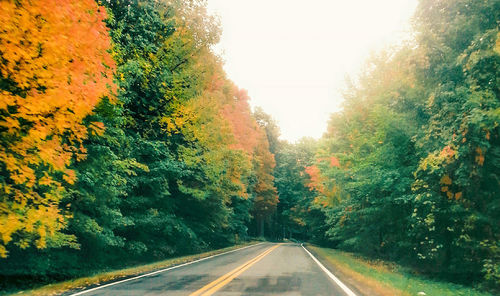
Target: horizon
[279, 75]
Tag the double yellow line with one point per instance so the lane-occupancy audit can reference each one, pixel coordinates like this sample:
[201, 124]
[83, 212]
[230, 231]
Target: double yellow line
[225, 279]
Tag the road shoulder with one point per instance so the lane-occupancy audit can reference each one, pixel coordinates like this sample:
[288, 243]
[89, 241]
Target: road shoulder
[359, 288]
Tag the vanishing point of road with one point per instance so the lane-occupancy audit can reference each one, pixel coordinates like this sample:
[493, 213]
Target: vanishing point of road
[262, 269]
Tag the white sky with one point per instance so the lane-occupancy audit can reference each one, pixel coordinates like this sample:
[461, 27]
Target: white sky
[293, 56]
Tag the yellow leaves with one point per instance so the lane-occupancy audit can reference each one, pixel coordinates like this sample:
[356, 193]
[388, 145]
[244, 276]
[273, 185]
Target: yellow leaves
[55, 54]
[458, 195]
[24, 243]
[41, 243]
[9, 224]
[3, 252]
[23, 175]
[46, 180]
[11, 124]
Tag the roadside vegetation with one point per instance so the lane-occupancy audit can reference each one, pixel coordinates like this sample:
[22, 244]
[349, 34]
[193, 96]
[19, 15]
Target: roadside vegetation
[387, 278]
[123, 142]
[409, 170]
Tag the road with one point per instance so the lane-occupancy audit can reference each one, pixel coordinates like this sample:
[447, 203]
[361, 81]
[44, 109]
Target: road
[263, 269]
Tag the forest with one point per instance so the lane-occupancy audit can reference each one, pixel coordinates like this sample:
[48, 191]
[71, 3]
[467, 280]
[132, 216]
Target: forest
[124, 142]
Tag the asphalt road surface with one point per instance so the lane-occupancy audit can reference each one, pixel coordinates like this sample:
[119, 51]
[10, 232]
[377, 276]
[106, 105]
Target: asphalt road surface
[263, 269]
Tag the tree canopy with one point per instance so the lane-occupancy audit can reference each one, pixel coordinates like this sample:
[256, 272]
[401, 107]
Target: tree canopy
[123, 141]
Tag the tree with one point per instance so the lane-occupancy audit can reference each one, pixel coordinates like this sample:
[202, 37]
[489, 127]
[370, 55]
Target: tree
[265, 195]
[294, 210]
[55, 68]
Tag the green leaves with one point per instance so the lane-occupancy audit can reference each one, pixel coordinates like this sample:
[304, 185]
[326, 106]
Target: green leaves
[176, 163]
[418, 145]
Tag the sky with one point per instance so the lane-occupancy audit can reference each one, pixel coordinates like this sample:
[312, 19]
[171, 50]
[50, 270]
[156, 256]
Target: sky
[293, 56]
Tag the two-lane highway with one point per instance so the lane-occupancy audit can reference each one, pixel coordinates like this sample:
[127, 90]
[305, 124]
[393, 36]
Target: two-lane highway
[263, 269]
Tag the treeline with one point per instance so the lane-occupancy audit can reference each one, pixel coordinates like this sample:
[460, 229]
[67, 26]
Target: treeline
[410, 169]
[122, 139]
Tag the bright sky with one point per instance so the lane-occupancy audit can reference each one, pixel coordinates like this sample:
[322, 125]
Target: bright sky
[293, 56]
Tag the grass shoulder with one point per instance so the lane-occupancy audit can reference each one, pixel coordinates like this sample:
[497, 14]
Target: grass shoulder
[115, 275]
[382, 278]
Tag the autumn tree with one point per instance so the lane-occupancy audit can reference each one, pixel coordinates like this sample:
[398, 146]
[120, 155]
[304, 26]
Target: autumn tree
[55, 68]
[408, 170]
[178, 167]
[455, 219]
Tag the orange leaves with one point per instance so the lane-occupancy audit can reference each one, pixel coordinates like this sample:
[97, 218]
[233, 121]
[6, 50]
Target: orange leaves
[69, 176]
[321, 181]
[315, 177]
[327, 189]
[479, 156]
[446, 180]
[447, 152]
[244, 127]
[55, 60]
[334, 162]
[97, 128]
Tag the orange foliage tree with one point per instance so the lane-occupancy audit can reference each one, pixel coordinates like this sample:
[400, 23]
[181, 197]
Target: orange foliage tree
[251, 138]
[322, 180]
[54, 68]
[243, 125]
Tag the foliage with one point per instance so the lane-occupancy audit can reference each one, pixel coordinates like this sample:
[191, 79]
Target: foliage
[175, 164]
[55, 68]
[384, 278]
[408, 171]
[124, 141]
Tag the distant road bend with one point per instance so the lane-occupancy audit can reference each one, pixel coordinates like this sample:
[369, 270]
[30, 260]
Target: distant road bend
[262, 269]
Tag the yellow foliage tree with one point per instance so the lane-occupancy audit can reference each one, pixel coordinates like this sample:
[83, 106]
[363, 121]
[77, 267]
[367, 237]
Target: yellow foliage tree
[55, 67]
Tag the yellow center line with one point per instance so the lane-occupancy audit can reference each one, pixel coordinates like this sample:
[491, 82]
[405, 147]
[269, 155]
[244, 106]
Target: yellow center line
[214, 286]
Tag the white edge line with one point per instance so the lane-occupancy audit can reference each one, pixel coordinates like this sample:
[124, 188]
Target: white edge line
[159, 271]
[334, 278]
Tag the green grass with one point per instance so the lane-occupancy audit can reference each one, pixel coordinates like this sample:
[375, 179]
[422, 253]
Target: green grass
[389, 279]
[100, 278]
